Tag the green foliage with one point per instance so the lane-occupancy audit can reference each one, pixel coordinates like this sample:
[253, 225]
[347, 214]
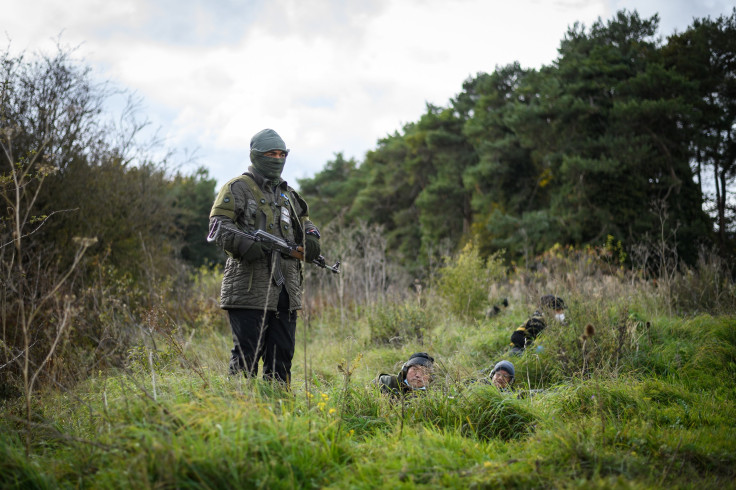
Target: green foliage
[192, 197]
[703, 55]
[615, 250]
[330, 193]
[633, 390]
[17, 470]
[706, 286]
[485, 414]
[615, 400]
[89, 187]
[466, 279]
[597, 144]
[602, 338]
[602, 431]
[143, 359]
[643, 400]
[398, 324]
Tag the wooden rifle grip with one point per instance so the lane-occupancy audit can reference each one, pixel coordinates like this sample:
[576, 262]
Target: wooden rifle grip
[298, 253]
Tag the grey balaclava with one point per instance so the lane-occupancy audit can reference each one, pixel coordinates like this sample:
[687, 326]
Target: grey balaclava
[262, 142]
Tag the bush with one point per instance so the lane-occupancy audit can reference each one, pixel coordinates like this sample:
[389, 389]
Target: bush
[398, 324]
[591, 398]
[489, 414]
[482, 413]
[708, 287]
[466, 279]
[603, 337]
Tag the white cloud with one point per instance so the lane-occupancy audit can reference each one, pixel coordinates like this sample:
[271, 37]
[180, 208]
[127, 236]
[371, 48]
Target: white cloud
[329, 75]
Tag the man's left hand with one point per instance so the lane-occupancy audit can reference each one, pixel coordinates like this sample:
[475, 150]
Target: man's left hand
[312, 247]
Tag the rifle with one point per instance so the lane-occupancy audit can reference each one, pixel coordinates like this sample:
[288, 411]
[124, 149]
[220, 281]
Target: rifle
[273, 243]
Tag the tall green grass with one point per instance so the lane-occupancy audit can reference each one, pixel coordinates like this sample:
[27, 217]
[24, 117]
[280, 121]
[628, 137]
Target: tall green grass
[646, 401]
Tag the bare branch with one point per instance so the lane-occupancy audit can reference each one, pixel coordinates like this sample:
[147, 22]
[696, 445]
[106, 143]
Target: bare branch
[40, 225]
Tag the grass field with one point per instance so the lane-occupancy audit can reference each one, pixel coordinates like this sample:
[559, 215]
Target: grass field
[647, 401]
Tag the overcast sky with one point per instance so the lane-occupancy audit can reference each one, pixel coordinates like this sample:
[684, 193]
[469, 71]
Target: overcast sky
[328, 75]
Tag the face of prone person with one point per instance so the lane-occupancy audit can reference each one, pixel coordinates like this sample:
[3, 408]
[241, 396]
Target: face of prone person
[560, 315]
[501, 379]
[418, 376]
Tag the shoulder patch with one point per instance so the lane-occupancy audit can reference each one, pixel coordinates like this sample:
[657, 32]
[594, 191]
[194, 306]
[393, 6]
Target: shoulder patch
[224, 204]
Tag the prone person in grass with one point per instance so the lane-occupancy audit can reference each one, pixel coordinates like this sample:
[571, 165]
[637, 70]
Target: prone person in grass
[551, 308]
[503, 376]
[414, 377]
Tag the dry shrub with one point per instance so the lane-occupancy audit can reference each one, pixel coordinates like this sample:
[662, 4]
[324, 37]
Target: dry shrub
[707, 287]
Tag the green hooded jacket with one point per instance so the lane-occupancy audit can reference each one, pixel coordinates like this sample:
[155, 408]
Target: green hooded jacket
[251, 202]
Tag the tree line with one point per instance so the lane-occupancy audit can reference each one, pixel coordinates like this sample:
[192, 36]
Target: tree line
[622, 136]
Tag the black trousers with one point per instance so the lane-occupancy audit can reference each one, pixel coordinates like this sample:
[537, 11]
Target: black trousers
[267, 335]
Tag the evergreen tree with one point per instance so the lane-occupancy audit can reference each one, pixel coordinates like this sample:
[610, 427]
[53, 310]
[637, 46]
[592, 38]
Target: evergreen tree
[390, 192]
[192, 197]
[614, 138]
[332, 190]
[705, 54]
[510, 179]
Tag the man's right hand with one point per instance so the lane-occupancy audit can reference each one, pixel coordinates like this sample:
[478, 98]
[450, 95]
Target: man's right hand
[253, 253]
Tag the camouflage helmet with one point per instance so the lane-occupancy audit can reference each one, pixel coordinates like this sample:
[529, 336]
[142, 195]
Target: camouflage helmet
[417, 359]
[552, 302]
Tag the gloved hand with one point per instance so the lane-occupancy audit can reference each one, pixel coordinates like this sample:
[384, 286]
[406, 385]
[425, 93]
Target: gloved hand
[253, 253]
[312, 247]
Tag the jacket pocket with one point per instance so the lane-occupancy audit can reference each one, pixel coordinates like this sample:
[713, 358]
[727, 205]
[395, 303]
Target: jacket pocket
[250, 213]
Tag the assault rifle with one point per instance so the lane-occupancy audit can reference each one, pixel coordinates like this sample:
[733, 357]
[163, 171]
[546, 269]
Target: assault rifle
[273, 243]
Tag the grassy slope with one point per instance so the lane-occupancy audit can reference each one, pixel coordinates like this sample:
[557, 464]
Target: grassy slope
[647, 402]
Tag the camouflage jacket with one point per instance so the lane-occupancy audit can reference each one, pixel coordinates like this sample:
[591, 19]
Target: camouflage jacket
[526, 333]
[251, 202]
[394, 385]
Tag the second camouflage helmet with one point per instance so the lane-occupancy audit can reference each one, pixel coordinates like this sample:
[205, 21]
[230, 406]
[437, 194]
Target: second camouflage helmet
[553, 302]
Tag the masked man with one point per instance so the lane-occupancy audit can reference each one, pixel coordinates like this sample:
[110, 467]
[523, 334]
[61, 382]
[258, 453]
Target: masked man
[261, 289]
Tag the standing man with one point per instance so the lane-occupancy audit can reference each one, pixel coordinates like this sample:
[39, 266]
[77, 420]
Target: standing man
[262, 289]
